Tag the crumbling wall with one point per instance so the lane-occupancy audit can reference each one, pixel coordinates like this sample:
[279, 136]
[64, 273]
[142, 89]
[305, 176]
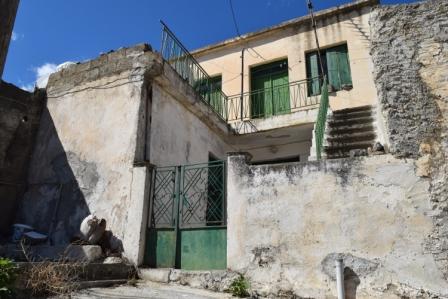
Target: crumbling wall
[410, 55]
[287, 224]
[20, 112]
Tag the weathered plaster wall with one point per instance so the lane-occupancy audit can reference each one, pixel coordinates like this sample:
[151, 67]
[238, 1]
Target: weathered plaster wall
[410, 55]
[91, 133]
[288, 223]
[8, 10]
[178, 136]
[19, 120]
[334, 26]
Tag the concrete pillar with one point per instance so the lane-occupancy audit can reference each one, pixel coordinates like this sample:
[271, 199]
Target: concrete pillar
[237, 174]
[137, 219]
[8, 10]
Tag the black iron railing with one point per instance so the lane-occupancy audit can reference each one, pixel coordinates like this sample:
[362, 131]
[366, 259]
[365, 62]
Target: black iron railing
[282, 99]
[189, 69]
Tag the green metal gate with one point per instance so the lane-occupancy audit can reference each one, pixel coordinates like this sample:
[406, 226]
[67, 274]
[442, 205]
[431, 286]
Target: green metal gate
[187, 218]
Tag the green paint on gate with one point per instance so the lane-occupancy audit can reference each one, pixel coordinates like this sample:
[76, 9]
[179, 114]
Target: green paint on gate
[204, 248]
[160, 248]
[187, 218]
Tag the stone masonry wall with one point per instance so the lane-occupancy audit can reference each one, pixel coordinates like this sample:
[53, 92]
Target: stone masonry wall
[410, 56]
[288, 223]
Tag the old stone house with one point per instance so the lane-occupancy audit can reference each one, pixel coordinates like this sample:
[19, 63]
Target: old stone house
[196, 169]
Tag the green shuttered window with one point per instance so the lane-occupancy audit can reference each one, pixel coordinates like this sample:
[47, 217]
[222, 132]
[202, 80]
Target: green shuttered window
[270, 89]
[210, 90]
[336, 65]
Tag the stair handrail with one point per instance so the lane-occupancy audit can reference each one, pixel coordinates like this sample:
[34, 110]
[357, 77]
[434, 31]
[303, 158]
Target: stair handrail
[319, 130]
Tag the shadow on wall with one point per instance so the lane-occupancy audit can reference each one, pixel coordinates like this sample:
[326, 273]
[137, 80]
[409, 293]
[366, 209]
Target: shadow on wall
[20, 112]
[59, 186]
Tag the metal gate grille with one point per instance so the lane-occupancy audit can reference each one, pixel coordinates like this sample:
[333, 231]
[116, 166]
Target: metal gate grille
[164, 197]
[189, 196]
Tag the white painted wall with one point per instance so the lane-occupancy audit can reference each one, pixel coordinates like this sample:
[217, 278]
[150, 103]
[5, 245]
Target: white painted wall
[293, 43]
[177, 136]
[287, 223]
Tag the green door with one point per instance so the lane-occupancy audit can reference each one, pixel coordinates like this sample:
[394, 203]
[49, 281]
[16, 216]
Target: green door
[270, 89]
[187, 218]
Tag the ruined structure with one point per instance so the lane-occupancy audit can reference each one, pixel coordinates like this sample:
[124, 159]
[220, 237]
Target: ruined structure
[140, 139]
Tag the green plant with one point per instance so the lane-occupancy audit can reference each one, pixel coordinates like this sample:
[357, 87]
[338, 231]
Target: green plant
[239, 287]
[8, 275]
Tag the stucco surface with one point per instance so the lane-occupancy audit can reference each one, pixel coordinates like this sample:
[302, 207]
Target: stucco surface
[86, 147]
[287, 224]
[350, 26]
[179, 137]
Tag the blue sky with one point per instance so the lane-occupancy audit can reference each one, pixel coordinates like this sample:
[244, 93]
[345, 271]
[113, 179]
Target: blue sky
[50, 32]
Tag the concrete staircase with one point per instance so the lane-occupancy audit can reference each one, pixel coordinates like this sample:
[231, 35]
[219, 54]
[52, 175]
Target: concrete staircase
[350, 130]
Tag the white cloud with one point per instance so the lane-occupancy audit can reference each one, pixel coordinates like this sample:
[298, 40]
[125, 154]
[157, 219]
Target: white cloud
[43, 72]
[16, 36]
[28, 87]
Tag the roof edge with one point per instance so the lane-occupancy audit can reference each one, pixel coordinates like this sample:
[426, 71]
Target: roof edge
[318, 15]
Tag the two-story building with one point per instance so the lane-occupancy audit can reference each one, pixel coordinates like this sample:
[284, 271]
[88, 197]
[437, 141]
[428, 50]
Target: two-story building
[272, 81]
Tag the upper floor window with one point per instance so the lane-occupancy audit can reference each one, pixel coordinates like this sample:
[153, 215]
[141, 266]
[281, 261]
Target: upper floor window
[336, 65]
[210, 90]
[269, 89]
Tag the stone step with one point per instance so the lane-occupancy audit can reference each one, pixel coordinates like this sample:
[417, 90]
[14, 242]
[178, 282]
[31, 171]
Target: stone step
[355, 114]
[347, 148]
[353, 110]
[354, 129]
[350, 121]
[367, 136]
[215, 280]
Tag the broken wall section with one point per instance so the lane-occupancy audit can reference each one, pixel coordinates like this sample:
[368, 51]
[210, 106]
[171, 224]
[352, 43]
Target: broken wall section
[20, 113]
[289, 223]
[410, 55]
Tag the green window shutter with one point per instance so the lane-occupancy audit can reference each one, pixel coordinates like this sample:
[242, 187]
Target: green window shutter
[312, 65]
[338, 67]
[344, 66]
[216, 100]
[333, 68]
[280, 93]
[269, 89]
[257, 97]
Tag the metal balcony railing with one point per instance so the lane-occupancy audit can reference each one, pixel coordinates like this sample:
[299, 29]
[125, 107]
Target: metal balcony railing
[189, 69]
[282, 99]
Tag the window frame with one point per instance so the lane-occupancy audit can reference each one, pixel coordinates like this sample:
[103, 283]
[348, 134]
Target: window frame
[346, 85]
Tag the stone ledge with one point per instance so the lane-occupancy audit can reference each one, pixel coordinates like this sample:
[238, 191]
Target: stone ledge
[139, 57]
[215, 280]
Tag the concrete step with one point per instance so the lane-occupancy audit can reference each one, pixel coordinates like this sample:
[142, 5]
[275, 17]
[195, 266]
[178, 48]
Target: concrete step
[354, 129]
[342, 139]
[350, 121]
[353, 110]
[347, 148]
[355, 114]
[215, 280]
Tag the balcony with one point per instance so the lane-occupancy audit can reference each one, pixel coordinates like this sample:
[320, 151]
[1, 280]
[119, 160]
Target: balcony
[268, 102]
